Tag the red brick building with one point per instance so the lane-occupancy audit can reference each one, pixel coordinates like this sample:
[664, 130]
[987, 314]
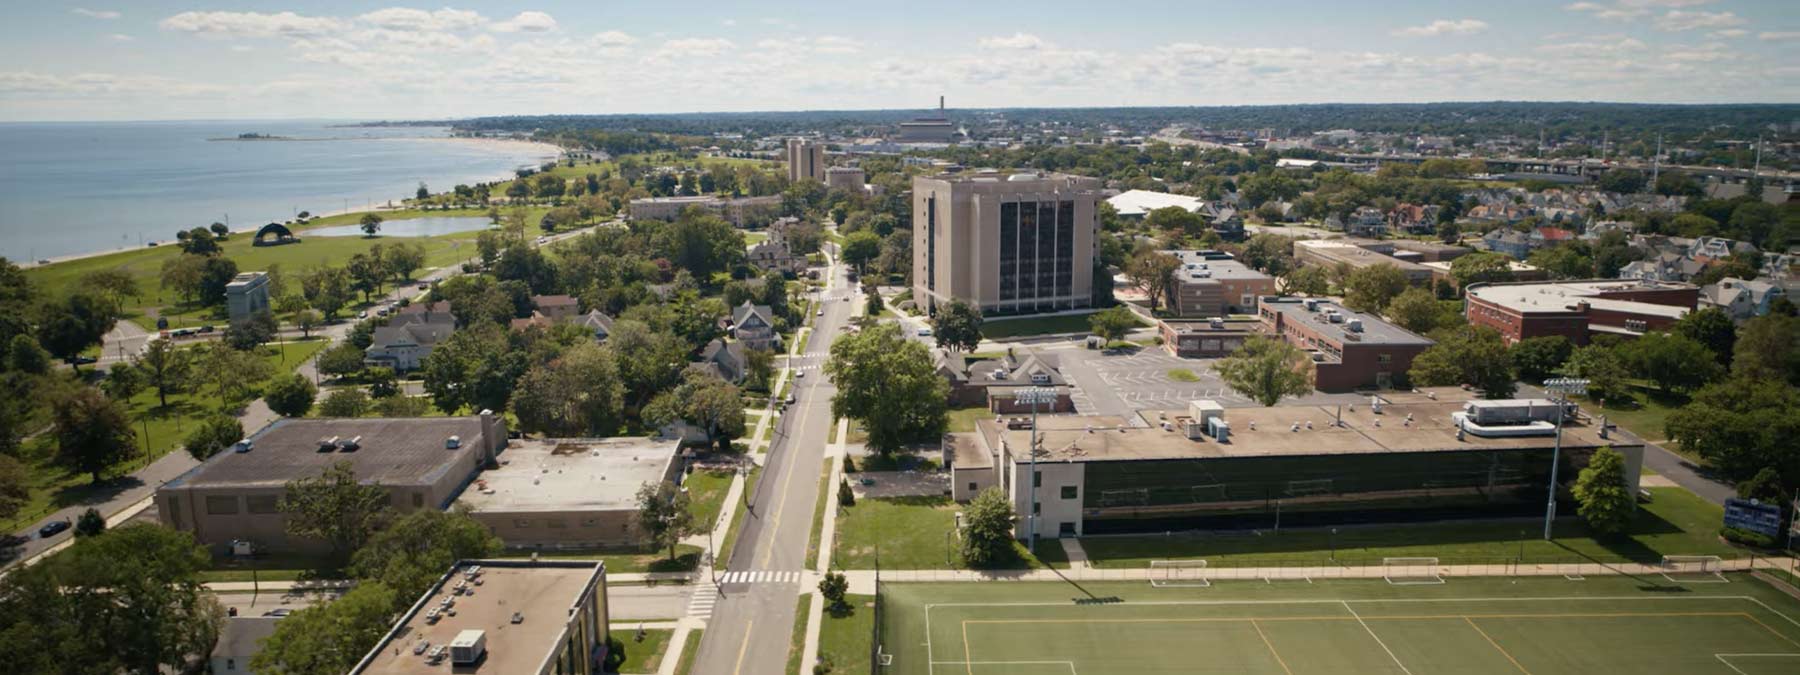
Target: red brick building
[1578, 309]
[1351, 350]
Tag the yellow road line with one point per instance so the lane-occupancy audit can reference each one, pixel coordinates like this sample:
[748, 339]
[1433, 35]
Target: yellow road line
[1496, 645]
[786, 484]
[744, 647]
[1766, 627]
[1271, 646]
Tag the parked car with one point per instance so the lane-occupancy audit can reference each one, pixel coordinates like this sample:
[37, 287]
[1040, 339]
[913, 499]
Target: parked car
[82, 360]
[924, 332]
[208, 328]
[52, 529]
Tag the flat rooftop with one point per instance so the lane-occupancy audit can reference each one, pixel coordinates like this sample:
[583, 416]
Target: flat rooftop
[393, 451]
[571, 474]
[1375, 330]
[1195, 267]
[1363, 432]
[1562, 296]
[1347, 250]
[542, 592]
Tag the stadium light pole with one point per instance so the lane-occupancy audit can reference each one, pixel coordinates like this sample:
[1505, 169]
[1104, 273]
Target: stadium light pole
[1559, 388]
[1034, 396]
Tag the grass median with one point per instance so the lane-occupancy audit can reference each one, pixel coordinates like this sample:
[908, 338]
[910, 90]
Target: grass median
[911, 533]
[645, 656]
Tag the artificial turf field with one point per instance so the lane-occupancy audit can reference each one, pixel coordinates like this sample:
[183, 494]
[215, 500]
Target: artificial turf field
[1476, 626]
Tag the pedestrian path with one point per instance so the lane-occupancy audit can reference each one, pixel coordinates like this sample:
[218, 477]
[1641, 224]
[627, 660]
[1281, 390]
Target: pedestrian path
[700, 606]
[759, 577]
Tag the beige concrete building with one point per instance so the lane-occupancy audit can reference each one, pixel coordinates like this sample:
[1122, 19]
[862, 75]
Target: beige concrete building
[670, 208]
[423, 463]
[1008, 243]
[846, 178]
[511, 617]
[805, 160]
[570, 493]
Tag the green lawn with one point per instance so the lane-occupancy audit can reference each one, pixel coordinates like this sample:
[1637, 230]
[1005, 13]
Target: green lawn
[722, 560]
[706, 494]
[995, 329]
[1185, 375]
[845, 639]
[688, 649]
[625, 559]
[754, 238]
[1541, 626]
[159, 430]
[642, 657]
[1645, 414]
[826, 491]
[963, 419]
[797, 637]
[1676, 522]
[145, 264]
[908, 533]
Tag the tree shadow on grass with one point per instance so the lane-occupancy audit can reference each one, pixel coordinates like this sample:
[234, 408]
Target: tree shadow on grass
[88, 493]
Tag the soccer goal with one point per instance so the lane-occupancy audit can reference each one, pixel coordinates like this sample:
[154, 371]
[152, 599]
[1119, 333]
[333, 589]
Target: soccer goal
[1411, 571]
[1179, 574]
[1694, 569]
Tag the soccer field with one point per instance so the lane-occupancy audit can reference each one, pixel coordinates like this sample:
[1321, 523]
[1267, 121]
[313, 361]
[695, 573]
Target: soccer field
[1536, 626]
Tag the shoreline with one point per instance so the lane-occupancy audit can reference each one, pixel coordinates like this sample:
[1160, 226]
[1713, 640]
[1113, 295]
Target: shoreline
[547, 152]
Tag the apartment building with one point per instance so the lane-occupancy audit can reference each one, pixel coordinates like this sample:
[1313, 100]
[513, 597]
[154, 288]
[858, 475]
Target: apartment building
[1008, 243]
[805, 160]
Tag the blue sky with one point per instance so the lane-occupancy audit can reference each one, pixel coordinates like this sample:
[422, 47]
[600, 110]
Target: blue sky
[88, 59]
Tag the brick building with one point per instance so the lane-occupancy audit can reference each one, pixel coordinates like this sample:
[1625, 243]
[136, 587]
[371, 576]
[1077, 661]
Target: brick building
[1578, 309]
[1211, 283]
[1350, 350]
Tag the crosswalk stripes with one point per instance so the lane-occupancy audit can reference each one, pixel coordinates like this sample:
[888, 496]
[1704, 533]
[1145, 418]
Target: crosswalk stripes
[705, 596]
[759, 577]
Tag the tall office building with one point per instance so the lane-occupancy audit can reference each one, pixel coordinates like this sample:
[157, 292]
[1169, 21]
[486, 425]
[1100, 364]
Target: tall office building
[805, 160]
[1017, 243]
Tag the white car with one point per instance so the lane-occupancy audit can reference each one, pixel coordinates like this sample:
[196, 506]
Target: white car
[924, 332]
[821, 312]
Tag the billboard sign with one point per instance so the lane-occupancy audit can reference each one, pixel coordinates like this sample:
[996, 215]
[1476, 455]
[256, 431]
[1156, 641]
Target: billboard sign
[1753, 516]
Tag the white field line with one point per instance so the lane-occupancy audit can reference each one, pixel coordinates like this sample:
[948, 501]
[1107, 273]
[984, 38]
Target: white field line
[1378, 641]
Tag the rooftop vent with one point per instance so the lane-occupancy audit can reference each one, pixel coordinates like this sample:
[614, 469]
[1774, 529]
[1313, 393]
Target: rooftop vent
[328, 444]
[453, 442]
[351, 444]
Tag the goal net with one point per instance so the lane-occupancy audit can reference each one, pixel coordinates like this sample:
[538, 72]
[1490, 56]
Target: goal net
[1698, 569]
[1179, 574]
[1411, 571]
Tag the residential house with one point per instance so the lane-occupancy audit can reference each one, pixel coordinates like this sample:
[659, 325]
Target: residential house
[775, 255]
[1780, 267]
[995, 383]
[1549, 236]
[1413, 218]
[728, 360]
[1667, 266]
[408, 338]
[1366, 221]
[754, 325]
[556, 307]
[1740, 298]
[1511, 242]
[597, 322]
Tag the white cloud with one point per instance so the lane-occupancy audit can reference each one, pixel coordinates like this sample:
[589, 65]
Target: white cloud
[613, 38]
[527, 22]
[120, 37]
[1024, 41]
[691, 47]
[833, 44]
[242, 48]
[1444, 27]
[1678, 20]
[251, 24]
[408, 19]
[728, 22]
[1728, 33]
[1779, 35]
[106, 14]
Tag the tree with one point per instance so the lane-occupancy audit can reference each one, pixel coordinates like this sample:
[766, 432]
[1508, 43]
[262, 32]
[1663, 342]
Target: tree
[305, 319]
[90, 523]
[704, 401]
[1415, 309]
[1712, 328]
[24, 355]
[1764, 486]
[1308, 280]
[872, 302]
[663, 514]
[577, 394]
[15, 486]
[329, 638]
[1112, 324]
[700, 242]
[219, 230]
[1176, 221]
[214, 435]
[1267, 370]
[1628, 181]
[889, 385]
[1481, 267]
[860, 248]
[92, 432]
[1563, 262]
[1540, 357]
[1675, 363]
[74, 324]
[1767, 348]
[1600, 491]
[649, 361]
[165, 368]
[405, 258]
[759, 366]
[230, 372]
[413, 551]
[1371, 288]
[115, 285]
[371, 224]
[340, 360]
[1471, 355]
[477, 368]
[251, 331]
[987, 536]
[1154, 272]
[200, 242]
[328, 289]
[290, 395]
[1604, 370]
[423, 193]
[833, 586]
[215, 274]
[1742, 426]
[957, 326]
[335, 507]
[345, 403]
[382, 382]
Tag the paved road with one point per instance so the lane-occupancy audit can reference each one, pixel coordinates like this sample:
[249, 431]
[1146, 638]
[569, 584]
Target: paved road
[752, 622]
[635, 602]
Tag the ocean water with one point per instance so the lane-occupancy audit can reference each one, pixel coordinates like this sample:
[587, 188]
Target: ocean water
[70, 188]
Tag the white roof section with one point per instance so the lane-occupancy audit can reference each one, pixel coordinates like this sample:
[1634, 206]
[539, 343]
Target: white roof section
[1134, 203]
[1563, 296]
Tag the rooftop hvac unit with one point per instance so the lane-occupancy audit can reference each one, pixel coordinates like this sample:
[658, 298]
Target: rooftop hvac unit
[351, 444]
[1312, 305]
[1336, 316]
[468, 647]
[1355, 326]
[453, 442]
[328, 444]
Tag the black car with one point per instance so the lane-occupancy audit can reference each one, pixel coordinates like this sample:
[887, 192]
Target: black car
[52, 529]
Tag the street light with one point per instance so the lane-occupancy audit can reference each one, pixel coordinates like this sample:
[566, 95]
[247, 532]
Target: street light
[1034, 396]
[1559, 389]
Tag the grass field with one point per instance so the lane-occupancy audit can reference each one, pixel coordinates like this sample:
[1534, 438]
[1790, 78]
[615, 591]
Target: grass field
[688, 649]
[844, 640]
[642, 657]
[912, 533]
[1536, 626]
[996, 329]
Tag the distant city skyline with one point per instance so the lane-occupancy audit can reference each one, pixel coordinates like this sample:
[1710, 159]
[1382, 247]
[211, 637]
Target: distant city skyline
[163, 59]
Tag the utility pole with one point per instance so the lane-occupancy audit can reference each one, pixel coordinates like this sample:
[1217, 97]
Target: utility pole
[1656, 163]
[1559, 390]
[1034, 396]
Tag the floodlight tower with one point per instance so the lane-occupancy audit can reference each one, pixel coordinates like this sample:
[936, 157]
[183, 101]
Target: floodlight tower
[1559, 389]
[1034, 396]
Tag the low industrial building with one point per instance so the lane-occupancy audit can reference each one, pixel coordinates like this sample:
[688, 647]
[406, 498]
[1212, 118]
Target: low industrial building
[1578, 309]
[511, 617]
[1408, 456]
[1350, 350]
[422, 462]
[577, 493]
[1206, 339]
[1213, 284]
[1358, 253]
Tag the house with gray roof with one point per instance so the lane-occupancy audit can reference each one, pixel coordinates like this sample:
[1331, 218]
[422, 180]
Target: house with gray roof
[408, 338]
[1742, 299]
[754, 325]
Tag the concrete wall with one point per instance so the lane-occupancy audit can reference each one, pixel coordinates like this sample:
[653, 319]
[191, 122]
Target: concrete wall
[563, 529]
[1055, 510]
